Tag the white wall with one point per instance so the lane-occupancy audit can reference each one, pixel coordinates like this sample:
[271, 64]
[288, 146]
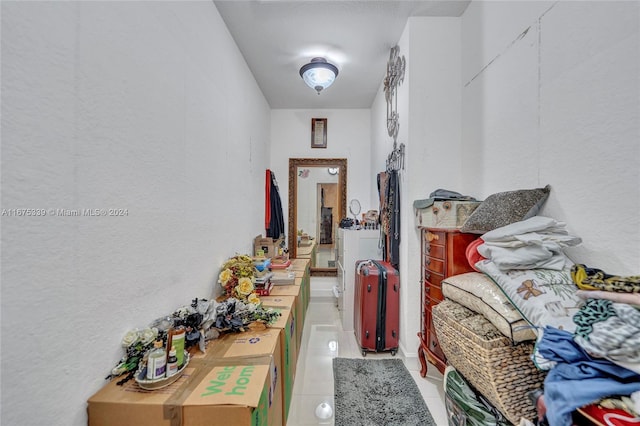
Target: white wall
[519, 95]
[143, 106]
[551, 95]
[348, 136]
[429, 109]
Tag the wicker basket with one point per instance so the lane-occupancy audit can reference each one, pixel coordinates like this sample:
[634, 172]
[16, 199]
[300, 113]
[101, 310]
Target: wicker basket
[499, 370]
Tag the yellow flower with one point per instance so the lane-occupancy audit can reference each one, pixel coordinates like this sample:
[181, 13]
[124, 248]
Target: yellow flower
[225, 276]
[245, 286]
[253, 298]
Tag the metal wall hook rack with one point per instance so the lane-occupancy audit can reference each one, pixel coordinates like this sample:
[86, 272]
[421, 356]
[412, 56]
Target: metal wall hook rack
[395, 160]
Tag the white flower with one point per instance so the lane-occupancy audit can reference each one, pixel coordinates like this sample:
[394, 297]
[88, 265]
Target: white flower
[183, 312]
[130, 338]
[119, 369]
[148, 335]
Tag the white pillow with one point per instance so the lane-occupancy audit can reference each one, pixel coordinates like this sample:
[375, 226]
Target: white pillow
[543, 296]
[477, 292]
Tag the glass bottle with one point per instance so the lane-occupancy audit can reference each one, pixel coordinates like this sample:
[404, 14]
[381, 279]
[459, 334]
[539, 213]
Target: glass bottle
[172, 362]
[157, 361]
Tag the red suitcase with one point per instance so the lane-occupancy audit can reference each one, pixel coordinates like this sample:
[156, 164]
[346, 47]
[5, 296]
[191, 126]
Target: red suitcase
[377, 306]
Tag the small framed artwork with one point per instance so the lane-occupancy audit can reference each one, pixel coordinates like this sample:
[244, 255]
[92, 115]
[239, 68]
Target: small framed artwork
[318, 133]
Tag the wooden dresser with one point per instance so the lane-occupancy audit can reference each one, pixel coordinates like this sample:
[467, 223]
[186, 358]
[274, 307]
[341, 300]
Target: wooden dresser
[442, 255]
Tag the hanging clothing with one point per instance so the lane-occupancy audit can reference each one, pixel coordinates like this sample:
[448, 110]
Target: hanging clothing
[267, 199]
[393, 201]
[383, 182]
[389, 192]
[274, 219]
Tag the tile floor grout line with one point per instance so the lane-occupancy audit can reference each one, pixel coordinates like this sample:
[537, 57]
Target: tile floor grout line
[315, 365]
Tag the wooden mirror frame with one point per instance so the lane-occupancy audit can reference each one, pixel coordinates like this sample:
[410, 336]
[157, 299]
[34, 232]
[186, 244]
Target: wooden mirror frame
[294, 163]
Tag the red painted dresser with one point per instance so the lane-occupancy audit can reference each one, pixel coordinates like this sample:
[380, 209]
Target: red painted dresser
[442, 255]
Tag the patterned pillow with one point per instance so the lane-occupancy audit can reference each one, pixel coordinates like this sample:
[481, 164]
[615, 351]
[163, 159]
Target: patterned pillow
[505, 208]
[543, 296]
[478, 293]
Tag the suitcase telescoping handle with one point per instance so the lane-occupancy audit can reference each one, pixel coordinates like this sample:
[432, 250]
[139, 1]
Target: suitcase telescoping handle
[361, 265]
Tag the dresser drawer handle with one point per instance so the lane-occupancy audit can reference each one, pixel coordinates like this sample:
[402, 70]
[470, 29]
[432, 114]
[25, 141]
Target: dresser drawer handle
[427, 275]
[427, 289]
[427, 262]
[428, 249]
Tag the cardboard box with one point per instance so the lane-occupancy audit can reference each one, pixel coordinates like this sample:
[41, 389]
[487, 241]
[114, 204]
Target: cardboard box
[301, 267]
[255, 345]
[305, 292]
[300, 264]
[266, 246]
[289, 354]
[293, 291]
[289, 303]
[236, 393]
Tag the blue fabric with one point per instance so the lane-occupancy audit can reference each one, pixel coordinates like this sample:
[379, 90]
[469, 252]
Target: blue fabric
[578, 379]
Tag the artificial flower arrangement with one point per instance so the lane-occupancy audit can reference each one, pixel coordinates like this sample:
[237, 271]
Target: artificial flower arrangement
[203, 320]
[237, 278]
[236, 310]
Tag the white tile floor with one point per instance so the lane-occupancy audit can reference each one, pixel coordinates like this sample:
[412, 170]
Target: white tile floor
[323, 339]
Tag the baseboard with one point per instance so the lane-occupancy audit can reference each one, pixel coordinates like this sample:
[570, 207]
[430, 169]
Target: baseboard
[410, 358]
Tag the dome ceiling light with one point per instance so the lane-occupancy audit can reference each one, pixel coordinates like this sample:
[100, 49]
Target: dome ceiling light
[319, 74]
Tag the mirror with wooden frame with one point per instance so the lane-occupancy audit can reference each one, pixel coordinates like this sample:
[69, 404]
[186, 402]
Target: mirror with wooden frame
[317, 203]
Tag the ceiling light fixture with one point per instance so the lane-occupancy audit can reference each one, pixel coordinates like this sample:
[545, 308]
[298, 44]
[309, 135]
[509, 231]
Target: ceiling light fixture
[319, 74]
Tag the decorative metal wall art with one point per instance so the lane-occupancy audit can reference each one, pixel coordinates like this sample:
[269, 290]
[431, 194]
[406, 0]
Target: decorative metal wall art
[394, 77]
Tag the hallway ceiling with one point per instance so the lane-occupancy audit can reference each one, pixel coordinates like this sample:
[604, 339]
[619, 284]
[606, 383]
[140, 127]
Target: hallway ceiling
[277, 37]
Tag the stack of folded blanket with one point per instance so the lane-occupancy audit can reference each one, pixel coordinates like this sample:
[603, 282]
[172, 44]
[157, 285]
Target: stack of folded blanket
[530, 244]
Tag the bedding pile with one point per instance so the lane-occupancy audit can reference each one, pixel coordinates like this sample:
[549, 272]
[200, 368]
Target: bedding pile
[530, 244]
[587, 321]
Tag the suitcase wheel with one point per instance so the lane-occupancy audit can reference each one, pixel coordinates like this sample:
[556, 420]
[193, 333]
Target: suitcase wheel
[394, 352]
[364, 353]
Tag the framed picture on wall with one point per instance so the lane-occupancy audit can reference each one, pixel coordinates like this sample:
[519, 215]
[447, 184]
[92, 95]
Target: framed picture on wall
[318, 133]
